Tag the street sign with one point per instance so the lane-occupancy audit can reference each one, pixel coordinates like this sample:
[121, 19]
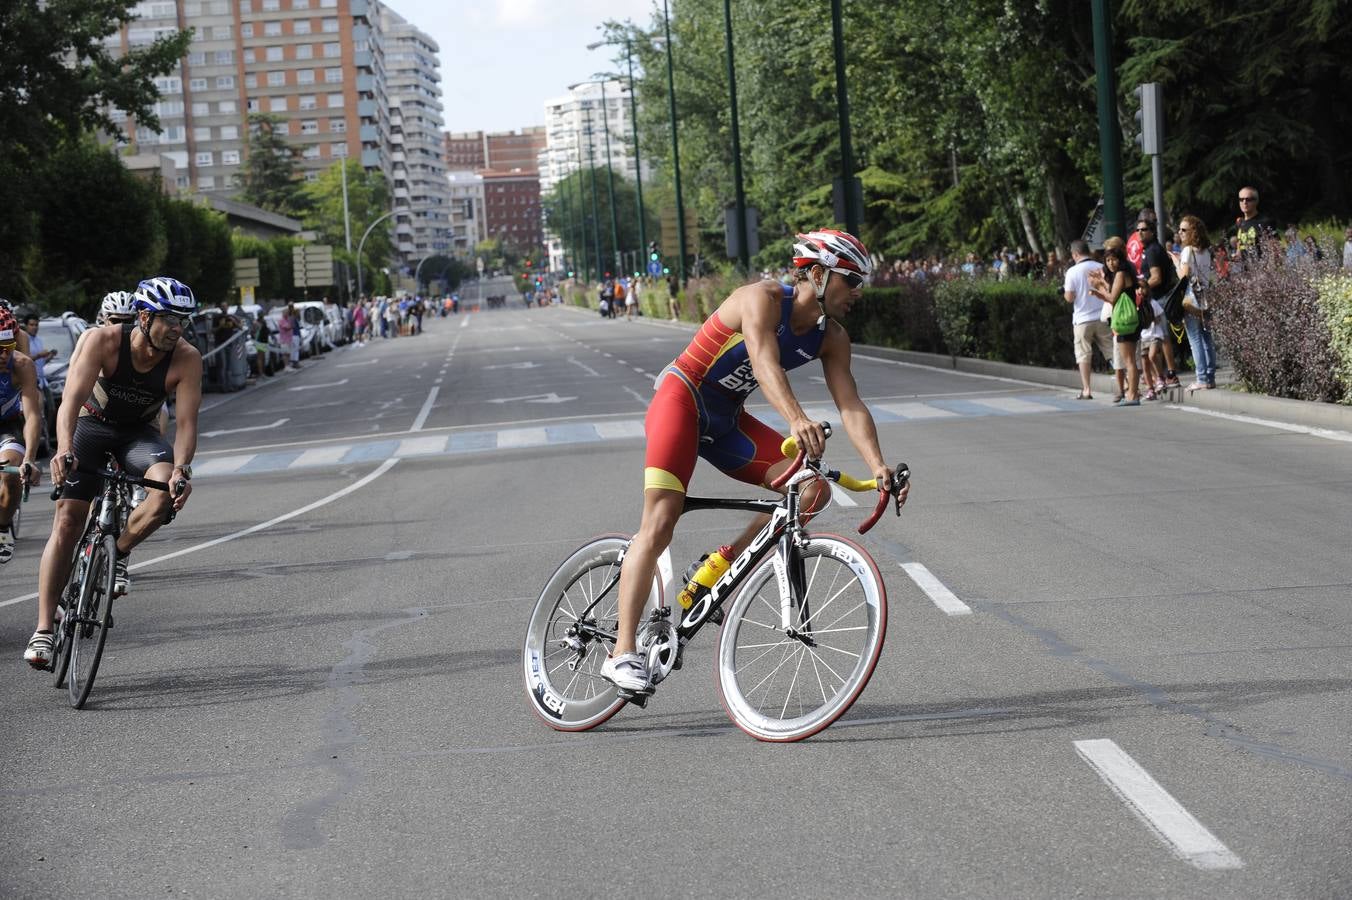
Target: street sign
[312, 265]
[654, 268]
[671, 242]
[246, 272]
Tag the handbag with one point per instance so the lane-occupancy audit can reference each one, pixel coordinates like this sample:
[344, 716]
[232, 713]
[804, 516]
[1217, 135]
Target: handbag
[1173, 302]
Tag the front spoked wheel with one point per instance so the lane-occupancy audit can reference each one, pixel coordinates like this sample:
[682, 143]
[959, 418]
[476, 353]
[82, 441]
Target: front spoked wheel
[564, 650]
[786, 682]
[92, 617]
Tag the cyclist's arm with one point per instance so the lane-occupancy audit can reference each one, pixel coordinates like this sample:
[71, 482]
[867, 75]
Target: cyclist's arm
[854, 415]
[760, 314]
[26, 377]
[187, 401]
[80, 378]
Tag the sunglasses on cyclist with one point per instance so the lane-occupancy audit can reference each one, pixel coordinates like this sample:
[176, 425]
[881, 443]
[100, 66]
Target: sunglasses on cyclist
[853, 279]
[174, 319]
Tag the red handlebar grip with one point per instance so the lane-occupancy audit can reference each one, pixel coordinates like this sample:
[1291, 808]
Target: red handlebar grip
[797, 464]
[883, 497]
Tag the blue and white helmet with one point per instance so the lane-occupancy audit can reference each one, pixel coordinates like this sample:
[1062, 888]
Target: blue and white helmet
[163, 294]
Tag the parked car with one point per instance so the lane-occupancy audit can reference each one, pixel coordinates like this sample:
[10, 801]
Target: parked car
[312, 312]
[273, 360]
[59, 334]
[310, 342]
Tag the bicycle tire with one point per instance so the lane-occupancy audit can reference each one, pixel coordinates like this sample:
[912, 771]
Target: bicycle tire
[845, 597]
[66, 605]
[89, 630]
[580, 699]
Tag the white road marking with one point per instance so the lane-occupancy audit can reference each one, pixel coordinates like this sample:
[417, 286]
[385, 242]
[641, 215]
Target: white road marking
[1188, 838]
[422, 446]
[217, 433]
[520, 365]
[225, 465]
[426, 408]
[320, 456]
[636, 395]
[551, 397]
[842, 496]
[465, 321]
[1015, 405]
[939, 595]
[586, 368]
[917, 411]
[364, 362]
[522, 437]
[314, 387]
[323, 501]
[1326, 433]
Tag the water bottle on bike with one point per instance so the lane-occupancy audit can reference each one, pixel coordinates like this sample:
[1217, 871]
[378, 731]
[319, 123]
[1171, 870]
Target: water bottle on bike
[703, 574]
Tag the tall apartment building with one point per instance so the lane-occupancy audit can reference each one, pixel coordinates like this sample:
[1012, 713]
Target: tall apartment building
[468, 222]
[413, 83]
[512, 209]
[317, 64]
[505, 151]
[577, 125]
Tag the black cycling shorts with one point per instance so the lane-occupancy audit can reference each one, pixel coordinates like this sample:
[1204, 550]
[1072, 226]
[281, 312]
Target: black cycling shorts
[136, 448]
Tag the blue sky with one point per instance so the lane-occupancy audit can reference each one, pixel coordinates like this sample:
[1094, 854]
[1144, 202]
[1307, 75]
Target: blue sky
[501, 59]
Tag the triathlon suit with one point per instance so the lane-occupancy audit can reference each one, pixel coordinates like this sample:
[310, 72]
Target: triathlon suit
[11, 409]
[120, 418]
[698, 405]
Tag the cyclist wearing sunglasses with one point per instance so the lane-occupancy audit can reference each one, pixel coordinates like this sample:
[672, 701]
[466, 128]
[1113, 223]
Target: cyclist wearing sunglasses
[115, 388]
[758, 333]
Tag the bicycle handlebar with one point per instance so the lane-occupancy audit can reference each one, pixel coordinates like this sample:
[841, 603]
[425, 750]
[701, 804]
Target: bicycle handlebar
[117, 475]
[17, 470]
[901, 476]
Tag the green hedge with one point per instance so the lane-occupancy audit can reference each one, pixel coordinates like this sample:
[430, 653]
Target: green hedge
[901, 317]
[1022, 322]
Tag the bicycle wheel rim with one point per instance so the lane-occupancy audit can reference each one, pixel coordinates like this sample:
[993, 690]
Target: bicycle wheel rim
[89, 631]
[575, 698]
[779, 688]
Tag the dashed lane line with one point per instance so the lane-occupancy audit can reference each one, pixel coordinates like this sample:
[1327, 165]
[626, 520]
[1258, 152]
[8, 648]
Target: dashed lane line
[935, 589]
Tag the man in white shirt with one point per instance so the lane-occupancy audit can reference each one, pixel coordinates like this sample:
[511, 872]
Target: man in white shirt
[1088, 325]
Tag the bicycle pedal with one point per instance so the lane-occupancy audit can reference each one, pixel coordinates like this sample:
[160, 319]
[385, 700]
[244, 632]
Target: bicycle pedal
[640, 700]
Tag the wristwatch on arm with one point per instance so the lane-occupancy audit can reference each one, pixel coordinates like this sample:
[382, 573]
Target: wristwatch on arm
[186, 472]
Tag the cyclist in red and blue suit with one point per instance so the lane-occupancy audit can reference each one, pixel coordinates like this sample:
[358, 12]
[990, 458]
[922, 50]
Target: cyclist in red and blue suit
[756, 334]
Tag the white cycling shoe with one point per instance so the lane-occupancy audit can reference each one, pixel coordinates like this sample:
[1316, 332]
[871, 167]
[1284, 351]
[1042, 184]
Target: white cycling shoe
[627, 672]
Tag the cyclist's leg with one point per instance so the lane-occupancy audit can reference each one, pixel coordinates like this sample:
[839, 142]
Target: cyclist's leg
[750, 452]
[145, 452]
[67, 525]
[11, 454]
[672, 429]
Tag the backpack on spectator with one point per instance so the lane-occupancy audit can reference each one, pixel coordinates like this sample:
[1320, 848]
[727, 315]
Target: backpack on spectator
[1126, 317]
[1173, 302]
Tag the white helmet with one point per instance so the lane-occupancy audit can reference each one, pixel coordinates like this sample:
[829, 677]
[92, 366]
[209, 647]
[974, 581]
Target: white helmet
[116, 303]
[838, 251]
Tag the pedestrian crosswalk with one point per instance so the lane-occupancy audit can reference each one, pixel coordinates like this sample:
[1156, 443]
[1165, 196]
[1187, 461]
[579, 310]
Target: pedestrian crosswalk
[487, 440]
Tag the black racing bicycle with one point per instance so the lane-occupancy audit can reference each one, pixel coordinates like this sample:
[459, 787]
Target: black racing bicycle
[802, 632]
[18, 510]
[85, 607]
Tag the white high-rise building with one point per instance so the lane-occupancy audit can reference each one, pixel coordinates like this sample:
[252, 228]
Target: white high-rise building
[418, 173]
[576, 128]
[468, 219]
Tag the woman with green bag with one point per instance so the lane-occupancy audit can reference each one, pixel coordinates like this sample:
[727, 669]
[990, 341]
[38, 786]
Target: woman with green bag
[1126, 318]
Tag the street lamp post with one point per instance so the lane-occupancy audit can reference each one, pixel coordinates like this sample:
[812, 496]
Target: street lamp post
[744, 251]
[596, 215]
[675, 147]
[633, 122]
[361, 291]
[843, 109]
[610, 184]
[582, 204]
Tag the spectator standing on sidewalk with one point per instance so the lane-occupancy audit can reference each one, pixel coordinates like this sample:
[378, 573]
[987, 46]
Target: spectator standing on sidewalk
[1157, 270]
[1347, 249]
[1252, 229]
[672, 290]
[1086, 324]
[359, 323]
[1194, 265]
[286, 336]
[1122, 273]
[293, 317]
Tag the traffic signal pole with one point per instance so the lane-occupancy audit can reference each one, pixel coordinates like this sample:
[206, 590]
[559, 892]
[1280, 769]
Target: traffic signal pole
[675, 147]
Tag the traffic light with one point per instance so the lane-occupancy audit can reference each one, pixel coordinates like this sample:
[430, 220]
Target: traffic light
[1149, 137]
[653, 255]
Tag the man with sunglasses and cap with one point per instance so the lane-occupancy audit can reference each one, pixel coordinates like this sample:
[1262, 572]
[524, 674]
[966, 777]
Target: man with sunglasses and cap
[20, 426]
[115, 387]
[756, 334]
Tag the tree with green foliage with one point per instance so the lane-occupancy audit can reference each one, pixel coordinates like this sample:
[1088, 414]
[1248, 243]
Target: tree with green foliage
[271, 175]
[58, 81]
[568, 213]
[199, 251]
[368, 198]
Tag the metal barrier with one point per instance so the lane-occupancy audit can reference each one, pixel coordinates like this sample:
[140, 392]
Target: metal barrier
[226, 368]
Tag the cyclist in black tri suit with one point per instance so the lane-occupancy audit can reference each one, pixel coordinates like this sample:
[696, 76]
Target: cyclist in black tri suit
[114, 391]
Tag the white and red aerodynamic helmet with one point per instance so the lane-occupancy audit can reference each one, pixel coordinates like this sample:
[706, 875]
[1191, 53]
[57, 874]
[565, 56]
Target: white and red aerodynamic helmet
[838, 251]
